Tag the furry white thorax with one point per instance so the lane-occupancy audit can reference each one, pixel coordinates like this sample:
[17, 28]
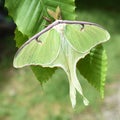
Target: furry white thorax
[60, 27]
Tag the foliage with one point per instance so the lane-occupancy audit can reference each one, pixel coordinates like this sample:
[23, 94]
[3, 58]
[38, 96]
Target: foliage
[98, 59]
[33, 20]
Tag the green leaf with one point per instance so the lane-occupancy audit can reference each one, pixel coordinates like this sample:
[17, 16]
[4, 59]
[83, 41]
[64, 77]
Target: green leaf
[28, 16]
[43, 74]
[94, 66]
[62, 50]
[20, 38]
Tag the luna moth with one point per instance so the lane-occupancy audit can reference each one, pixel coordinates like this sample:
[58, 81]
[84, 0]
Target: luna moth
[62, 44]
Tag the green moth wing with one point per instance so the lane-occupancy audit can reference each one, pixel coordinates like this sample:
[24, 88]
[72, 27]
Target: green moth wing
[40, 51]
[62, 44]
[84, 37]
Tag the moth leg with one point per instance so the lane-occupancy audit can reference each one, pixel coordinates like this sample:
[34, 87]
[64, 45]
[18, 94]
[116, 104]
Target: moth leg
[39, 41]
[82, 27]
[47, 19]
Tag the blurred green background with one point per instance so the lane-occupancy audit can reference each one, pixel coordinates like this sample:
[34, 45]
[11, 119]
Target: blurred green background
[23, 98]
